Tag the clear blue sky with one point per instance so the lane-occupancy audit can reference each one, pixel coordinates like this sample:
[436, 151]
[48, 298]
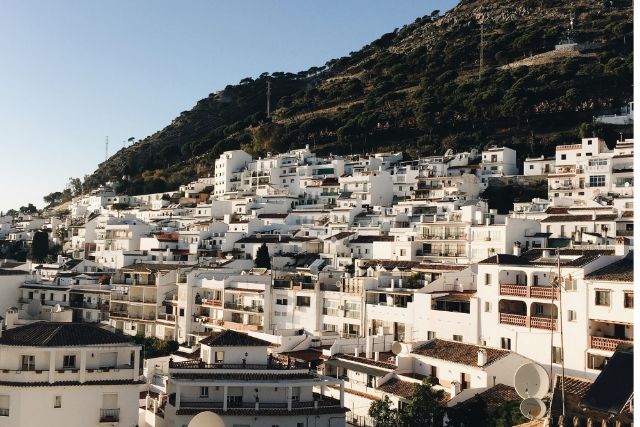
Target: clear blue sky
[73, 72]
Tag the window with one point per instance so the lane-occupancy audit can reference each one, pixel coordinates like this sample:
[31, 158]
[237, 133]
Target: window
[487, 278]
[303, 301]
[598, 162]
[487, 307]
[563, 157]
[403, 252]
[530, 167]
[628, 300]
[57, 402]
[295, 394]
[204, 391]
[329, 327]
[218, 357]
[182, 312]
[431, 335]
[572, 315]
[4, 405]
[505, 343]
[28, 363]
[597, 181]
[570, 285]
[603, 298]
[457, 338]
[281, 301]
[557, 355]
[69, 362]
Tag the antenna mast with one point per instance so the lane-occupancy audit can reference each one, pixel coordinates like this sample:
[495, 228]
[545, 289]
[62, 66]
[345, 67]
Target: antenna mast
[268, 98]
[481, 47]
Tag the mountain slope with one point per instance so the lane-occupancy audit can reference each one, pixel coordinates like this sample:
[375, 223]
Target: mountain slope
[419, 89]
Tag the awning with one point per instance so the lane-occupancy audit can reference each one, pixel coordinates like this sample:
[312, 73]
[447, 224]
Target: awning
[356, 367]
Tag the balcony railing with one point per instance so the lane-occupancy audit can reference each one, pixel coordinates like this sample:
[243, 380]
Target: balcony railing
[514, 290]
[212, 302]
[528, 322]
[251, 308]
[607, 344]
[546, 292]
[543, 323]
[271, 363]
[523, 291]
[513, 319]
[109, 415]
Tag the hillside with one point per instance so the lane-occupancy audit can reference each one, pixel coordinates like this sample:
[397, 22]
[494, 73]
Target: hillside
[418, 89]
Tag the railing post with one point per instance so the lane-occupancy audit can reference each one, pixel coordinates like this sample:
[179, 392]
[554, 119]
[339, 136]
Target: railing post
[224, 398]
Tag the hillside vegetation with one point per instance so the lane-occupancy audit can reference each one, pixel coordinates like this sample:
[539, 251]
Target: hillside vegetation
[418, 89]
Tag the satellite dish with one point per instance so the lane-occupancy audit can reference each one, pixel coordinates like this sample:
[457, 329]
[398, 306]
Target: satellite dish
[396, 348]
[531, 380]
[206, 419]
[533, 408]
[56, 308]
[34, 308]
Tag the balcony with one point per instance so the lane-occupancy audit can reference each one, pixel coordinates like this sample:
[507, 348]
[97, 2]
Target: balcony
[607, 344]
[165, 317]
[109, 415]
[240, 307]
[513, 319]
[523, 291]
[543, 323]
[212, 302]
[535, 322]
[237, 326]
[135, 316]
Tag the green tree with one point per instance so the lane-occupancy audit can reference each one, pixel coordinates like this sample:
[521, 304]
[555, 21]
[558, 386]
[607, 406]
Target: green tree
[29, 209]
[39, 246]
[75, 185]
[471, 412]
[263, 260]
[383, 414]
[426, 407]
[52, 199]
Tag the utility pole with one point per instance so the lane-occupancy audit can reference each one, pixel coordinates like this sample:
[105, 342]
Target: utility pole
[268, 98]
[106, 149]
[481, 48]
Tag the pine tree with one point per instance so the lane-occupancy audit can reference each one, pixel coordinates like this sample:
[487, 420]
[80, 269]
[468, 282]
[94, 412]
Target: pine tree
[263, 260]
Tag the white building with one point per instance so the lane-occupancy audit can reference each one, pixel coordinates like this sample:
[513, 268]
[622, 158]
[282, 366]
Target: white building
[237, 379]
[79, 375]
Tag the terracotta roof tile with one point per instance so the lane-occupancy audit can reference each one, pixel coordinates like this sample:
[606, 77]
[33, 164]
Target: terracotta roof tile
[457, 352]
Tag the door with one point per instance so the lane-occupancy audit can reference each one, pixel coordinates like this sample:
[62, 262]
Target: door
[618, 331]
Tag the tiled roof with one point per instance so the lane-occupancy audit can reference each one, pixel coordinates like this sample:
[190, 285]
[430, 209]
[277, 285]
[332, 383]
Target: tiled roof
[147, 267]
[534, 257]
[389, 264]
[365, 361]
[619, 271]
[50, 334]
[457, 352]
[231, 338]
[371, 239]
[341, 235]
[496, 396]
[12, 272]
[556, 211]
[269, 238]
[580, 218]
[265, 412]
[245, 376]
[447, 267]
[272, 216]
[308, 355]
[68, 383]
[398, 387]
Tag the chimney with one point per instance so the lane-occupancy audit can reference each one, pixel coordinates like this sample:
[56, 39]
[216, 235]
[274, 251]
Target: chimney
[621, 247]
[516, 248]
[356, 353]
[454, 388]
[368, 346]
[482, 357]
[399, 283]
[376, 356]
[546, 253]
[392, 284]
